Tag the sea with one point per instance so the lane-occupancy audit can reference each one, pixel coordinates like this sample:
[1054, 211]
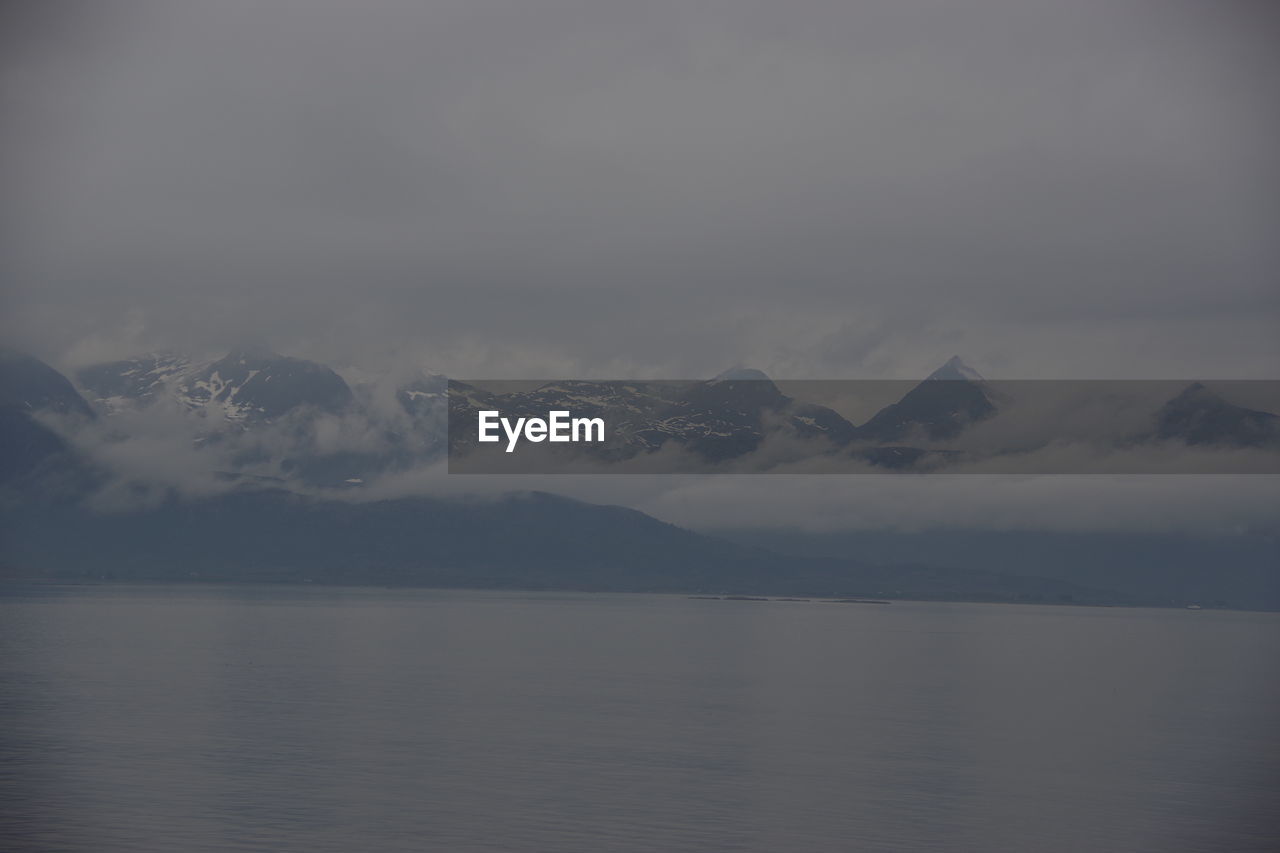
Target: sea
[296, 718]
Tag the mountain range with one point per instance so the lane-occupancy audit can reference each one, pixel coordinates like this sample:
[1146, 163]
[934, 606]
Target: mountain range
[275, 425]
[255, 414]
[730, 415]
[953, 420]
[269, 415]
[242, 386]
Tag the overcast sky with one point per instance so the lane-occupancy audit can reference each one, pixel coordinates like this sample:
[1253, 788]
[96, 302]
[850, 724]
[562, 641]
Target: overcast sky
[820, 189]
[1082, 189]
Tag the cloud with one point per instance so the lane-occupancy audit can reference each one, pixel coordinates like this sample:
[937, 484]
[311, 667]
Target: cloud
[660, 189]
[588, 189]
[157, 454]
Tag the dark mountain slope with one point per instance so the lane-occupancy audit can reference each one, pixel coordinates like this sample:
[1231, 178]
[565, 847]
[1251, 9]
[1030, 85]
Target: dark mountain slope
[528, 541]
[135, 381]
[939, 408]
[32, 454]
[27, 384]
[1200, 417]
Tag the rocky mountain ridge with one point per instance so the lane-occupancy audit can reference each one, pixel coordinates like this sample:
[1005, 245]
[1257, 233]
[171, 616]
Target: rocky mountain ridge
[270, 416]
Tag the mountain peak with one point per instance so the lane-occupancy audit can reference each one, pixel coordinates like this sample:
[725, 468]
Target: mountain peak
[1200, 416]
[955, 369]
[1195, 389]
[739, 374]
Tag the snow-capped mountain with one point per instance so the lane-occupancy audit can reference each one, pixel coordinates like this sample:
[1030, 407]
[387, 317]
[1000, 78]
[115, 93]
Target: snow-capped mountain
[938, 409]
[129, 383]
[248, 386]
[245, 386]
[255, 414]
[250, 414]
[53, 482]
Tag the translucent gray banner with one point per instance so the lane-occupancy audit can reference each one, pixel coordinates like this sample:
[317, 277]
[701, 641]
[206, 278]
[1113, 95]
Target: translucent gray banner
[749, 424]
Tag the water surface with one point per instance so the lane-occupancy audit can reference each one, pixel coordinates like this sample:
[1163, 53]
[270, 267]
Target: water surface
[281, 718]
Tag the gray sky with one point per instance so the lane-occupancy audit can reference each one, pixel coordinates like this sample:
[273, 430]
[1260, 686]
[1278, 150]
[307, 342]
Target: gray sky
[1051, 188]
[820, 189]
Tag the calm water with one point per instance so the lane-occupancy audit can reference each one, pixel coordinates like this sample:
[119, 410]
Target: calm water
[193, 719]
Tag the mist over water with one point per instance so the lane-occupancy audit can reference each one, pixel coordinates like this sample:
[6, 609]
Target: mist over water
[265, 718]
